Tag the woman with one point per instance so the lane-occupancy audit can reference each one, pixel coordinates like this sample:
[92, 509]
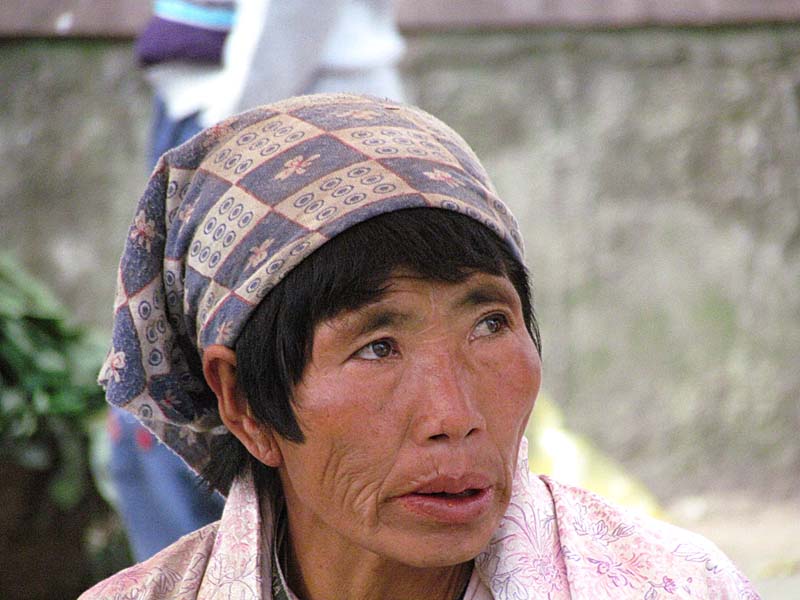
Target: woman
[323, 308]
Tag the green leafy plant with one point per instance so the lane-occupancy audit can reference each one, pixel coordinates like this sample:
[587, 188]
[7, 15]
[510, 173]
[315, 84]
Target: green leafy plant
[48, 392]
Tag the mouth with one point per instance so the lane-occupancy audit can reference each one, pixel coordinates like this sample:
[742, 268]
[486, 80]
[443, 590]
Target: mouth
[453, 502]
[465, 494]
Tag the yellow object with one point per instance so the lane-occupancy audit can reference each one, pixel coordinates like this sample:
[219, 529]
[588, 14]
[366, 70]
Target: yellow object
[571, 459]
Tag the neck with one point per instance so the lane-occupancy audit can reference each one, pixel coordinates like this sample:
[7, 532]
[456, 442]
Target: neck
[371, 578]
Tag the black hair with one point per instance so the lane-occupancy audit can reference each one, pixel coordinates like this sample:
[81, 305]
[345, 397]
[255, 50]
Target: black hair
[345, 273]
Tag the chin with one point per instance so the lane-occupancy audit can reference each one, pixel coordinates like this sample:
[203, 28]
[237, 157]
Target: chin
[444, 549]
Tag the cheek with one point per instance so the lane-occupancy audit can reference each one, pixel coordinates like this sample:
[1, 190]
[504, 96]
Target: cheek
[337, 478]
[351, 442]
[348, 473]
[515, 381]
[350, 406]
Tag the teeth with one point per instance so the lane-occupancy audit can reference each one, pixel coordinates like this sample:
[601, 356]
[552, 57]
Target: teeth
[464, 494]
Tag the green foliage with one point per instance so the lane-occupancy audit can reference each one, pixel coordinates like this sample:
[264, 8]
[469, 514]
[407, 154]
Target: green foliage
[47, 384]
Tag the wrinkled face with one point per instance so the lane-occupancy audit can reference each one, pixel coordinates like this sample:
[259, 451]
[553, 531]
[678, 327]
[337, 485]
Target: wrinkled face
[413, 408]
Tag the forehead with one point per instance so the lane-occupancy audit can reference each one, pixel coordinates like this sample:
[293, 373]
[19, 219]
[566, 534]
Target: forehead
[404, 295]
[473, 286]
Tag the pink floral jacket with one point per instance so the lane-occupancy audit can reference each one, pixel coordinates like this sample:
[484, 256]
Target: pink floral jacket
[555, 541]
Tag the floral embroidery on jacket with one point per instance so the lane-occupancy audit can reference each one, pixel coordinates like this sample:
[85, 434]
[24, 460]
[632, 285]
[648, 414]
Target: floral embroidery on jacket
[555, 542]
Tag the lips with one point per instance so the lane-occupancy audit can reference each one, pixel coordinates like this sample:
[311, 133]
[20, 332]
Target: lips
[453, 485]
[451, 500]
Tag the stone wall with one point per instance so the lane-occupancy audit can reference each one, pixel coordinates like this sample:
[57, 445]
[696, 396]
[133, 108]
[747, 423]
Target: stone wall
[655, 173]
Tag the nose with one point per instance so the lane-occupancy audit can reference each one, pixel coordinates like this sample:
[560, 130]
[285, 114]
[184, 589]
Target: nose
[445, 401]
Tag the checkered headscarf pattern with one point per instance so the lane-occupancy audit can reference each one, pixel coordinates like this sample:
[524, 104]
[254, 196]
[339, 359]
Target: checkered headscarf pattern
[229, 213]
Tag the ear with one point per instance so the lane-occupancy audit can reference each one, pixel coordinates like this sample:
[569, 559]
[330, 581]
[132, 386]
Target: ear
[219, 368]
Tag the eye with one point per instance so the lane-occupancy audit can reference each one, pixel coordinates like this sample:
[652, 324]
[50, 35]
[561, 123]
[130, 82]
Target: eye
[376, 350]
[491, 325]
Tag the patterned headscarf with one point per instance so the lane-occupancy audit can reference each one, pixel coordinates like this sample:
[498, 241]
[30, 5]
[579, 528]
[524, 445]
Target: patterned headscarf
[228, 214]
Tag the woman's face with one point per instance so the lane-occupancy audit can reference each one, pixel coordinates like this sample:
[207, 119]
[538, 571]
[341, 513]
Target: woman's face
[413, 407]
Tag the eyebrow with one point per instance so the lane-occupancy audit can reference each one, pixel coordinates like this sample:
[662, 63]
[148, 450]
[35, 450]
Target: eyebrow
[375, 318]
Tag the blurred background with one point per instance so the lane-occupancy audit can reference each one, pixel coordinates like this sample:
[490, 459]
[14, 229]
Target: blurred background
[651, 151]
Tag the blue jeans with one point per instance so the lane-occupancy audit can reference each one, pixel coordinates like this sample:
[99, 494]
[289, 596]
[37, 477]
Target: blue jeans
[158, 497]
[165, 133]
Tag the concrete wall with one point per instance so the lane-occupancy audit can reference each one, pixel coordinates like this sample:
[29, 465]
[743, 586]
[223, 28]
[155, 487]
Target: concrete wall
[73, 124]
[656, 175]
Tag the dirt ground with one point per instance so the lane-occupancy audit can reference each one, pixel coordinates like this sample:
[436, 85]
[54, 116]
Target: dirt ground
[759, 536]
